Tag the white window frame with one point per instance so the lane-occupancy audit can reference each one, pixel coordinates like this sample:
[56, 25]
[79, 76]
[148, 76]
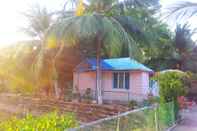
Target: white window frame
[118, 80]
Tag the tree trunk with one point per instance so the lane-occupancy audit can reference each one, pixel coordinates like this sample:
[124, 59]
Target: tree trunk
[98, 72]
[57, 90]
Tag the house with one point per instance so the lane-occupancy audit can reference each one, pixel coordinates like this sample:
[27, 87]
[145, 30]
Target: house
[123, 79]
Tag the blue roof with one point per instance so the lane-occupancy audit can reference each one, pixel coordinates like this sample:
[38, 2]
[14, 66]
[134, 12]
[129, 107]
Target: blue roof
[115, 64]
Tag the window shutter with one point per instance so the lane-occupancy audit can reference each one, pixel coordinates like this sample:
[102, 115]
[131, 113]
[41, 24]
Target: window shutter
[115, 80]
[127, 80]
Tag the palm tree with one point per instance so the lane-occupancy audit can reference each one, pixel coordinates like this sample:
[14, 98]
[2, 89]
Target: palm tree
[183, 44]
[183, 10]
[39, 20]
[100, 23]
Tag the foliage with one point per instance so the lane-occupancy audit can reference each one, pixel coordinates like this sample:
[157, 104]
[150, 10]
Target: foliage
[39, 20]
[132, 104]
[109, 20]
[153, 36]
[171, 85]
[182, 10]
[192, 76]
[50, 122]
[151, 100]
[16, 68]
[184, 46]
[88, 95]
[97, 30]
[166, 113]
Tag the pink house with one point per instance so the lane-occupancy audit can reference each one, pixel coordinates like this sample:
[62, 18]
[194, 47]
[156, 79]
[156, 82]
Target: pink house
[123, 79]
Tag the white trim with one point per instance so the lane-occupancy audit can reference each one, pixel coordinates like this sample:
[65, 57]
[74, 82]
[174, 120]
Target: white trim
[118, 80]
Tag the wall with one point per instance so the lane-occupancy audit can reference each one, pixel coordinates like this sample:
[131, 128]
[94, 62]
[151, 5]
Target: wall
[139, 83]
[84, 80]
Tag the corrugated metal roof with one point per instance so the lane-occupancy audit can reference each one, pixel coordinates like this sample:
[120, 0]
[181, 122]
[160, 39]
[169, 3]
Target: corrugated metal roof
[116, 64]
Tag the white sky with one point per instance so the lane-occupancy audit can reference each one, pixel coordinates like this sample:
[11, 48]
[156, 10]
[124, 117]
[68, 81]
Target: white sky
[11, 19]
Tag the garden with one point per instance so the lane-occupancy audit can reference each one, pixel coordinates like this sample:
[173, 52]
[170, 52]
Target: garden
[159, 113]
[36, 76]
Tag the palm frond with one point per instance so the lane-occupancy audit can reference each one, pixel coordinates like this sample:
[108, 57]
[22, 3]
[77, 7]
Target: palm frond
[83, 30]
[182, 10]
[39, 20]
[183, 37]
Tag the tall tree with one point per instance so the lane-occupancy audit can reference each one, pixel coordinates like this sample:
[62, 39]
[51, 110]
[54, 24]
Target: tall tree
[39, 19]
[183, 44]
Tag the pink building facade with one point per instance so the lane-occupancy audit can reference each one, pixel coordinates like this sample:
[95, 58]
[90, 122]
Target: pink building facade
[117, 85]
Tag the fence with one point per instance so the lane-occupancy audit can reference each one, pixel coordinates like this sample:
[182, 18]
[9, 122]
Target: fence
[154, 118]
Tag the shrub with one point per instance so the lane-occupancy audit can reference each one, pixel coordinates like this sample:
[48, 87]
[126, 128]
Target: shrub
[88, 95]
[132, 104]
[48, 122]
[171, 85]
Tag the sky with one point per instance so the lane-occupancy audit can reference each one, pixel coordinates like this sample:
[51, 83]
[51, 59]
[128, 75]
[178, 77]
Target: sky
[12, 20]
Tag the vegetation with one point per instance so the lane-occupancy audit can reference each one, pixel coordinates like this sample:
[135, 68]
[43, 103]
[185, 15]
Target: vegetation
[132, 104]
[182, 10]
[138, 34]
[96, 28]
[101, 26]
[50, 122]
[171, 85]
[16, 68]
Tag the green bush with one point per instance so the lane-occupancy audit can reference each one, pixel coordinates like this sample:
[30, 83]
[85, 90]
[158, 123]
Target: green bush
[171, 85]
[48, 122]
[132, 104]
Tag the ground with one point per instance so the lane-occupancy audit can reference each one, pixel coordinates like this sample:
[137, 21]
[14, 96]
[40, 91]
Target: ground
[189, 122]
[15, 105]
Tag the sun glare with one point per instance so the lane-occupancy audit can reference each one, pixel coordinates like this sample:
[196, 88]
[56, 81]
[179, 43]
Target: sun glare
[12, 21]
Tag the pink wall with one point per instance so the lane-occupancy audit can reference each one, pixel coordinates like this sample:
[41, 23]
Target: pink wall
[139, 82]
[84, 80]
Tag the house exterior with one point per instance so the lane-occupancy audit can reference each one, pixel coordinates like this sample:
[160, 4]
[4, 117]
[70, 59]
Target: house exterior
[122, 79]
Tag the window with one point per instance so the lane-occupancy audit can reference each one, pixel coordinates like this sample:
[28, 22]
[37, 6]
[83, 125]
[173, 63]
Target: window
[121, 80]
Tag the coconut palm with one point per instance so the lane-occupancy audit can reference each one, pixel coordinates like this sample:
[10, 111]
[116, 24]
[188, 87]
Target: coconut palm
[39, 20]
[183, 44]
[101, 25]
[93, 24]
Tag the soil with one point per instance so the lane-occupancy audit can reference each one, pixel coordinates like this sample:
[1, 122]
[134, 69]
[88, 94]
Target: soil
[18, 105]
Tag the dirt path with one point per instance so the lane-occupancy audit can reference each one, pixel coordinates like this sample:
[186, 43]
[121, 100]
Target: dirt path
[189, 121]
